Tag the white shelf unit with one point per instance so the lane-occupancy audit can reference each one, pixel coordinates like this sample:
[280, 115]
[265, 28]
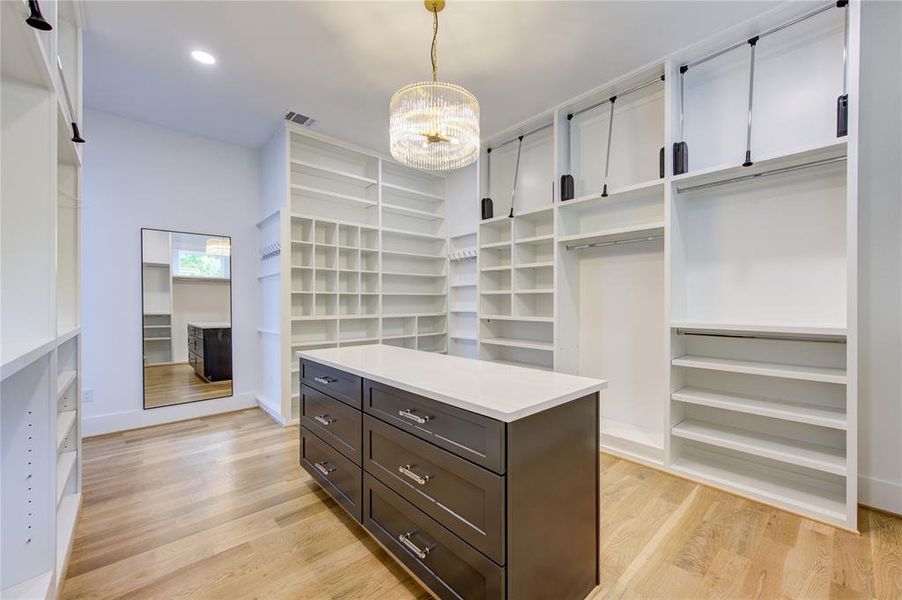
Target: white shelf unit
[762, 275]
[462, 296]
[516, 288]
[40, 173]
[413, 286]
[723, 313]
[610, 280]
[362, 258]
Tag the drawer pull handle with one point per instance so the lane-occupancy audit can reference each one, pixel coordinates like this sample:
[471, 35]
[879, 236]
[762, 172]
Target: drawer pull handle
[408, 414]
[322, 468]
[408, 471]
[420, 553]
[325, 380]
[324, 420]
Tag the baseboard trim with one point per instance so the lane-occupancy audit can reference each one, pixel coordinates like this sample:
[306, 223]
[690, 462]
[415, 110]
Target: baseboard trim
[882, 495]
[275, 416]
[138, 419]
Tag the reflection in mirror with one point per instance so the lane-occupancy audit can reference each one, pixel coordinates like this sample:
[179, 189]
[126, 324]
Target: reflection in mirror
[187, 317]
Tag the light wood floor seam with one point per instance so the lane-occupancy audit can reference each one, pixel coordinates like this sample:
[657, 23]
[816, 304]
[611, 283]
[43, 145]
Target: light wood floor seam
[218, 507]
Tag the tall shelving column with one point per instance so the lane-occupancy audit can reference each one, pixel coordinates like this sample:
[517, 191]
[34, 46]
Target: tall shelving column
[462, 295]
[763, 327]
[414, 263]
[40, 412]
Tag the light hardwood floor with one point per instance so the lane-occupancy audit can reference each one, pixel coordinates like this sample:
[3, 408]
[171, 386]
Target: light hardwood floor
[219, 508]
[165, 385]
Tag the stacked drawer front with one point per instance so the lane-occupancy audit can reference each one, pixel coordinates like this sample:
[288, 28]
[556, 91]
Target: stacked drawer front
[196, 349]
[426, 479]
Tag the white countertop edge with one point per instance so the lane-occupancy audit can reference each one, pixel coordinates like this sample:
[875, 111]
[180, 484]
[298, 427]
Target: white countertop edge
[486, 411]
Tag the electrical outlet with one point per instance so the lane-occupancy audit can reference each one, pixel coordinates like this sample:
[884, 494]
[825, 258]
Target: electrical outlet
[87, 396]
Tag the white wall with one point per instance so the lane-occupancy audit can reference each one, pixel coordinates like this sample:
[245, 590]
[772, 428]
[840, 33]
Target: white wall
[880, 260]
[140, 175]
[196, 300]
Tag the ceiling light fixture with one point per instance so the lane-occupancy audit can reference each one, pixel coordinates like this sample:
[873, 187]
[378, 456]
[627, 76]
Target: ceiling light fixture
[203, 57]
[434, 126]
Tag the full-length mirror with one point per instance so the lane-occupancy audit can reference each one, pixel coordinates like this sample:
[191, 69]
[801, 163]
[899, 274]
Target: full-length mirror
[187, 316]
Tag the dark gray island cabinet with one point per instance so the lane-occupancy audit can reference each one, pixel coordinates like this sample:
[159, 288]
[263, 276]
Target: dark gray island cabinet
[481, 478]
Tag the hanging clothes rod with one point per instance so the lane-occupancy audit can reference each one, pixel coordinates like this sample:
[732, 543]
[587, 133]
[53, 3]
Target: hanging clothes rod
[779, 171]
[647, 238]
[635, 88]
[760, 336]
[767, 32]
[520, 137]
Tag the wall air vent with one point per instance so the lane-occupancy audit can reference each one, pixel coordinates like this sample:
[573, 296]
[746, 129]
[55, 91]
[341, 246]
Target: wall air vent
[299, 119]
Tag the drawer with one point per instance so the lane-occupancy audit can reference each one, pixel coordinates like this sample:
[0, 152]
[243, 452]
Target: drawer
[193, 331]
[465, 498]
[333, 421]
[334, 472]
[450, 567]
[474, 437]
[338, 384]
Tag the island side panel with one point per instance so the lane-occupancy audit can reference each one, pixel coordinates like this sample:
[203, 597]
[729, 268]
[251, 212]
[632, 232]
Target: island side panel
[553, 502]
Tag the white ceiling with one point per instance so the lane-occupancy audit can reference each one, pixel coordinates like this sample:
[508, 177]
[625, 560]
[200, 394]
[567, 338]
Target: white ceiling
[340, 62]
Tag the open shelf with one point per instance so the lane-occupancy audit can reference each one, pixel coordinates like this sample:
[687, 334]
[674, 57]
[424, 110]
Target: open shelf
[412, 193]
[63, 381]
[810, 153]
[535, 239]
[766, 369]
[422, 255]
[64, 422]
[328, 196]
[411, 212]
[615, 234]
[332, 174]
[66, 519]
[515, 343]
[794, 452]
[65, 464]
[19, 354]
[631, 439]
[770, 329]
[774, 486]
[765, 407]
[621, 194]
[517, 318]
[413, 234]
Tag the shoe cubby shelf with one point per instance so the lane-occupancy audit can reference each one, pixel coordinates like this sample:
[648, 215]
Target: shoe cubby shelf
[364, 245]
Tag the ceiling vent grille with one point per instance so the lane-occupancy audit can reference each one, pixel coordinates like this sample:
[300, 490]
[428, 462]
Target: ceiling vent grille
[299, 119]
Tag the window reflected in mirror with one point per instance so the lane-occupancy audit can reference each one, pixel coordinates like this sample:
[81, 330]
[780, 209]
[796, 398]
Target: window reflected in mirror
[187, 317]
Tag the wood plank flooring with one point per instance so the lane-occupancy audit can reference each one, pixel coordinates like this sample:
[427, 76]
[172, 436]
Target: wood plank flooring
[219, 508]
[165, 385]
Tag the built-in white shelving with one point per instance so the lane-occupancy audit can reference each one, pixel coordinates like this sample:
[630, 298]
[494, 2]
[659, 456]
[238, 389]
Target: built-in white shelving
[363, 246]
[40, 334]
[719, 302]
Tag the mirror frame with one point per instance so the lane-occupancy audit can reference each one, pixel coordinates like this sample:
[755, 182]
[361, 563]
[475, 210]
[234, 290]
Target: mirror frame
[231, 320]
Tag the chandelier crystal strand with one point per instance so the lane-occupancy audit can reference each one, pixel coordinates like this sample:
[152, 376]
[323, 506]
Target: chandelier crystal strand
[434, 126]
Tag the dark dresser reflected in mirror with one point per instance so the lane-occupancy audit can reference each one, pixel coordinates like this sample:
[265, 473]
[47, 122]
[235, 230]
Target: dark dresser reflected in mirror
[186, 289]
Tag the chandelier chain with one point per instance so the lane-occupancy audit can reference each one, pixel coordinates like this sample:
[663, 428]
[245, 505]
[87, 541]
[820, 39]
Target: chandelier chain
[434, 36]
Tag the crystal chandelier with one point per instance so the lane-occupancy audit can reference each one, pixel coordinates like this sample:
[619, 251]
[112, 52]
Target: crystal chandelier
[434, 126]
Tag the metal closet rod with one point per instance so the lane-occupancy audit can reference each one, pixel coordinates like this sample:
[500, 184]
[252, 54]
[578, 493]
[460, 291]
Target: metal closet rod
[767, 32]
[635, 88]
[779, 171]
[646, 238]
[519, 137]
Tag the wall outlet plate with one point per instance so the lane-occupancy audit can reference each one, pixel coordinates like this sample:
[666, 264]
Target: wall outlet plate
[87, 396]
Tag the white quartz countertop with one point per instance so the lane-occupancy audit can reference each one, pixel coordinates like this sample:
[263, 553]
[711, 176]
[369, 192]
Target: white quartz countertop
[495, 390]
[210, 324]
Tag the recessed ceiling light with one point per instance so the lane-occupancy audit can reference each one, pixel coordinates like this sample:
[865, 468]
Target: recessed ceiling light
[203, 57]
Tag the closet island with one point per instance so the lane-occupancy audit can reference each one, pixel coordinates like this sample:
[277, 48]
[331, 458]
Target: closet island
[481, 478]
